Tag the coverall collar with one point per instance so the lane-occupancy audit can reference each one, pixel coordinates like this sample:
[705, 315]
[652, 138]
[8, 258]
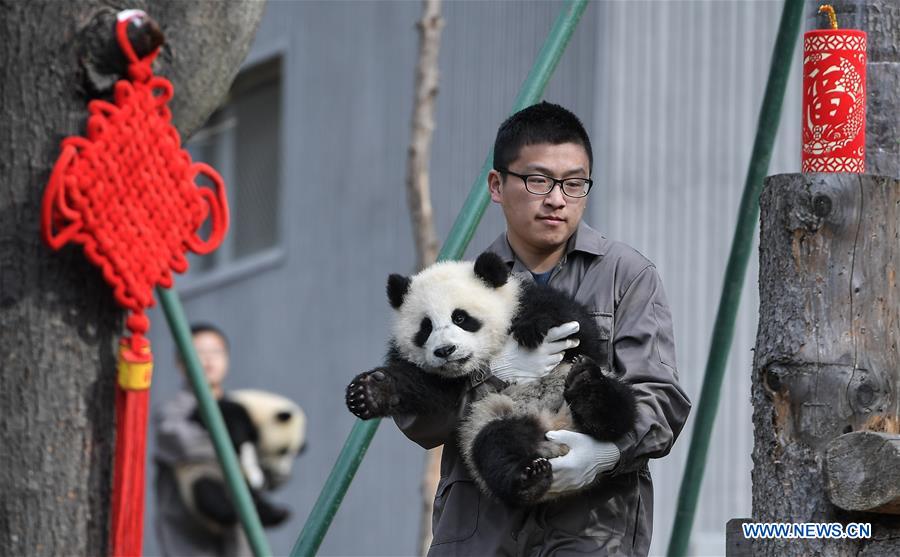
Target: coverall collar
[584, 239]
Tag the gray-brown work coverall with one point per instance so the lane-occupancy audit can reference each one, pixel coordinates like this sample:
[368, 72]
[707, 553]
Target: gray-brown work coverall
[625, 294]
[181, 440]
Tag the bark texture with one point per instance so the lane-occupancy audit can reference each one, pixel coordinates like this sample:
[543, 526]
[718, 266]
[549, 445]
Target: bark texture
[826, 360]
[57, 316]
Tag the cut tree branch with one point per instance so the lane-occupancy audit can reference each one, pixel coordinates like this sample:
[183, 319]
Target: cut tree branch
[418, 193]
[419, 201]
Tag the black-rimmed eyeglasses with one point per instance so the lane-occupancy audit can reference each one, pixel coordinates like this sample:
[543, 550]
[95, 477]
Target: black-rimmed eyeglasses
[538, 184]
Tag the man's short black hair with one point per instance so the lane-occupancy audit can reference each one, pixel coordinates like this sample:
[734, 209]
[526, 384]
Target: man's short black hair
[197, 328]
[539, 123]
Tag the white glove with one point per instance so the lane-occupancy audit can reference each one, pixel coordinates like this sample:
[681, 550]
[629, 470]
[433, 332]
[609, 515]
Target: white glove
[586, 458]
[516, 364]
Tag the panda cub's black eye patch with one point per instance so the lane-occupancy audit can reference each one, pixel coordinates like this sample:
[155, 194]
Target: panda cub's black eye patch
[425, 328]
[284, 416]
[464, 321]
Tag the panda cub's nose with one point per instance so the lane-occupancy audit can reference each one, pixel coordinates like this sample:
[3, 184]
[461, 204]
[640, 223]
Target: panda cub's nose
[444, 351]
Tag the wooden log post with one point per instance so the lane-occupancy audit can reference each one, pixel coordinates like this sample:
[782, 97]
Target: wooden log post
[862, 471]
[826, 361]
[826, 368]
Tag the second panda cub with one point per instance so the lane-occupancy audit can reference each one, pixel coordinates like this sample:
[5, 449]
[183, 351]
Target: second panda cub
[451, 320]
[268, 431]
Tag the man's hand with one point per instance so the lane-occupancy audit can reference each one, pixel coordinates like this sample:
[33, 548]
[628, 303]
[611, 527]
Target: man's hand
[586, 458]
[521, 365]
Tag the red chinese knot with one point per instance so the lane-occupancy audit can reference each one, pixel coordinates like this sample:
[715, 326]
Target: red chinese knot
[128, 191]
[834, 101]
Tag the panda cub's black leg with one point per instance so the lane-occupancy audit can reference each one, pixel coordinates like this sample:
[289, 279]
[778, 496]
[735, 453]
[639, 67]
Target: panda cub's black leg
[212, 500]
[602, 406]
[506, 457]
[270, 514]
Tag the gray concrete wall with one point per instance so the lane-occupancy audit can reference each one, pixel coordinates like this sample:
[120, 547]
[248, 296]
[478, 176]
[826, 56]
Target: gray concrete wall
[670, 93]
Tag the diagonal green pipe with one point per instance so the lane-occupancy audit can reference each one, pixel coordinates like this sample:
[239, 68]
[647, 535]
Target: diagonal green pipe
[460, 235]
[212, 417]
[741, 245]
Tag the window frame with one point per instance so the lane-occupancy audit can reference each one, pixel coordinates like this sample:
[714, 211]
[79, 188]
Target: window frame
[226, 268]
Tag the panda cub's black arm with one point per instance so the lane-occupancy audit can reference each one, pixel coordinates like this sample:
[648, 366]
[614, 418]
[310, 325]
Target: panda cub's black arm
[401, 387]
[543, 307]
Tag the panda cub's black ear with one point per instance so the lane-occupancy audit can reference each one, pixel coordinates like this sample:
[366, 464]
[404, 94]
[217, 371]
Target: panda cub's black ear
[491, 269]
[397, 286]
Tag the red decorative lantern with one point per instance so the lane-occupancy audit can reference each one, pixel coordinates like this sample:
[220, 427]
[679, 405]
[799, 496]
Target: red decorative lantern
[834, 99]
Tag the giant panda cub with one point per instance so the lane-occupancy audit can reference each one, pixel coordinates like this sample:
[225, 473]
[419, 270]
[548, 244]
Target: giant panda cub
[268, 432]
[451, 320]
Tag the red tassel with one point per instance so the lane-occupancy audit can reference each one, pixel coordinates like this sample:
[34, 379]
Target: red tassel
[132, 402]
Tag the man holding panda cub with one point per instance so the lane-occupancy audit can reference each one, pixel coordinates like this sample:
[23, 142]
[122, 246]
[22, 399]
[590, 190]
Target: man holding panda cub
[536, 150]
[181, 440]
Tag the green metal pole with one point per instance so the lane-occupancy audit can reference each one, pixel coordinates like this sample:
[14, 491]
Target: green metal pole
[212, 417]
[459, 237]
[741, 245]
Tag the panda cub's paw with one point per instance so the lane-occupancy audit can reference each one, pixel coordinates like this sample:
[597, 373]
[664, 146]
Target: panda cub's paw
[582, 374]
[535, 480]
[371, 395]
[529, 333]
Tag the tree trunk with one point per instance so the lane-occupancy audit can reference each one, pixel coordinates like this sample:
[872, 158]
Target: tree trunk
[57, 316]
[826, 360]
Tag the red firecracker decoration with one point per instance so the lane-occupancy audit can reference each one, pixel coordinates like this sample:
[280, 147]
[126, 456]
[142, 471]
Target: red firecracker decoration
[834, 99]
[127, 192]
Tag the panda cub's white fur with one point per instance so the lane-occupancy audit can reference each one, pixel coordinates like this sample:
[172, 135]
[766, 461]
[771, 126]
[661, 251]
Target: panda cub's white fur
[436, 292]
